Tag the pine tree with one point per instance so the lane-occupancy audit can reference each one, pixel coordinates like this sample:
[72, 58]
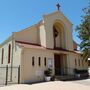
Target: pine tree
[83, 30]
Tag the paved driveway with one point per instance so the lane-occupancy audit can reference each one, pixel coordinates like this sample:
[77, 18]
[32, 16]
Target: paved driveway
[57, 85]
[83, 82]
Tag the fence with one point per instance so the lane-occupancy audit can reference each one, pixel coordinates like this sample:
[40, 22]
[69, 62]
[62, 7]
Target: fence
[64, 71]
[9, 75]
[72, 72]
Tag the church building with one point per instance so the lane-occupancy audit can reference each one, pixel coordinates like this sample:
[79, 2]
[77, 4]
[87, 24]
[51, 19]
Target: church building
[47, 44]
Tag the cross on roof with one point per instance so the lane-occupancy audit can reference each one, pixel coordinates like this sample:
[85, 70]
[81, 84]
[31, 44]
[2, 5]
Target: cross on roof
[58, 6]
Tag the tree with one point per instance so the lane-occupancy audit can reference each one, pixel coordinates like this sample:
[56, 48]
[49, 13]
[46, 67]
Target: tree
[83, 30]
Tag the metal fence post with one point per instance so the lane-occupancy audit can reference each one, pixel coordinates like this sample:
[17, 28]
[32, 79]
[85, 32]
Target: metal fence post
[6, 82]
[19, 74]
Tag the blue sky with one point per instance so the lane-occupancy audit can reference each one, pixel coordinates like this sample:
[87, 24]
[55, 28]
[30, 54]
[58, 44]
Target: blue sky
[16, 15]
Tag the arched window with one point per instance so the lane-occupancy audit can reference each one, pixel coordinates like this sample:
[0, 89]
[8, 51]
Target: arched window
[9, 53]
[2, 56]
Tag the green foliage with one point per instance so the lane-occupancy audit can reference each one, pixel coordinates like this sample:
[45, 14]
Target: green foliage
[48, 72]
[83, 30]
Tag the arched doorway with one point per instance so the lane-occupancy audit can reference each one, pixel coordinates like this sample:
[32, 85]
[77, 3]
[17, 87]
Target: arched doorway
[60, 59]
[59, 35]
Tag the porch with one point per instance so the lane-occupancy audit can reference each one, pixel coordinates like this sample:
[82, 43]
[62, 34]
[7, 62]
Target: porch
[76, 75]
[60, 64]
[61, 68]
[63, 75]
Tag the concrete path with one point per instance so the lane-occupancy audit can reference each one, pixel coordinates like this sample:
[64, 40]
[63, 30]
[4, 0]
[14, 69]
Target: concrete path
[56, 85]
[83, 82]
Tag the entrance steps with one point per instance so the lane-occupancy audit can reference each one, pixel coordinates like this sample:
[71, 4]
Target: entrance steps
[64, 78]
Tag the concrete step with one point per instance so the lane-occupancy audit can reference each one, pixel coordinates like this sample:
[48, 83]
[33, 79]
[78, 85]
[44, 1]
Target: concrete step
[64, 77]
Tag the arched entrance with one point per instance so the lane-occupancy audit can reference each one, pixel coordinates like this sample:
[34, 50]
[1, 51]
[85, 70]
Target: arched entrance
[59, 35]
[60, 59]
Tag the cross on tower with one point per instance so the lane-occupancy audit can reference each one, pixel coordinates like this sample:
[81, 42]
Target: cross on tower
[58, 6]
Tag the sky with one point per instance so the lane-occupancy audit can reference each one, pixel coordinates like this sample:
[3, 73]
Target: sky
[16, 15]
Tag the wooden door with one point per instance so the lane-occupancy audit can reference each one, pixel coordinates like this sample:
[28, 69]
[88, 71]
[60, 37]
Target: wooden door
[57, 64]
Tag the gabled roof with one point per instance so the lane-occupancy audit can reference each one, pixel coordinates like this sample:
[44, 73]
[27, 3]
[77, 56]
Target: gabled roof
[59, 12]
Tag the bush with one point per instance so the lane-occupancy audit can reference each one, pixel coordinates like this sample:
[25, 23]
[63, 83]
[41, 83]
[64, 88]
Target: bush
[48, 72]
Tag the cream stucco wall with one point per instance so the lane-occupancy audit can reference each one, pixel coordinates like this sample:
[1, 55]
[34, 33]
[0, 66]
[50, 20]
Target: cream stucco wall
[16, 62]
[5, 61]
[15, 58]
[30, 35]
[49, 21]
[23, 57]
[42, 33]
[71, 57]
[5, 57]
[31, 73]
[42, 36]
